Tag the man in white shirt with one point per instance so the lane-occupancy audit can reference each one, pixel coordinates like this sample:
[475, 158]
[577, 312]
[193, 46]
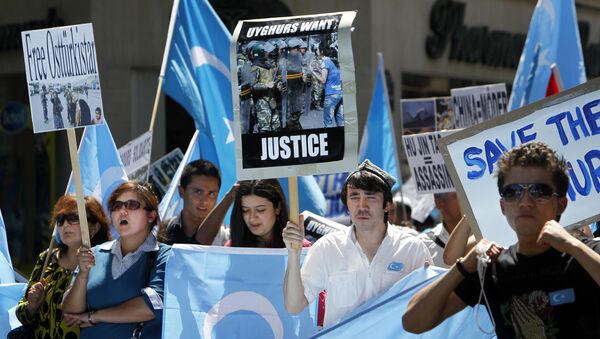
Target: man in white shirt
[356, 264]
[437, 238]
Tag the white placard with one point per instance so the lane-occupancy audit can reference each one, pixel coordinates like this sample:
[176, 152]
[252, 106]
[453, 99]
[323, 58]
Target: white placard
[569, 123]
[474, 105]
[426, 163]
[136, 156]
[62, 76]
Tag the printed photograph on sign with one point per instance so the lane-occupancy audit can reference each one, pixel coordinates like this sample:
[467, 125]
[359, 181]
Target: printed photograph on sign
[444, 115]
[418, 115]
[161, 172]
[62, 76]
[474, 105]
[291, 102]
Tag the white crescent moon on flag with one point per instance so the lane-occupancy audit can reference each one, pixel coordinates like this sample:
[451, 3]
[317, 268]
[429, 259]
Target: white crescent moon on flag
[201, 56]
[243, 301]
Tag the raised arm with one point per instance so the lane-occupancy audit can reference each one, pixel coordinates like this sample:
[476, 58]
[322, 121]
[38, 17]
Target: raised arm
[460, 242]
[208, 230]
[75, 298]
[553, 234]
[438, 301]
[293, 290]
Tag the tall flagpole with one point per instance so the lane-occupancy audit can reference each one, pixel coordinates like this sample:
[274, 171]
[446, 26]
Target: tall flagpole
[163, 66]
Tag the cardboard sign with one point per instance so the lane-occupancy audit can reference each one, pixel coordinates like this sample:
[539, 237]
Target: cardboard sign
[294, 96]
[62, 76]
[136, 156]
[568, 122]
[426, 163]
[473, 105]
[161, 172]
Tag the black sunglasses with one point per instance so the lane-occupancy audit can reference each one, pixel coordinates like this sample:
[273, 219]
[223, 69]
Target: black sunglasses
[130, 205]
[538, 192]
[71, 219]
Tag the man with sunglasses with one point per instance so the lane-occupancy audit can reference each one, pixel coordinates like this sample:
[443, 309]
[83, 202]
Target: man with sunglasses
[544, 286]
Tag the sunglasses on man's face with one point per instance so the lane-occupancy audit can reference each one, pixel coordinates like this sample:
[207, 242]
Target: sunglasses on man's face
[538, 192]
[71, 219]
[130, 205]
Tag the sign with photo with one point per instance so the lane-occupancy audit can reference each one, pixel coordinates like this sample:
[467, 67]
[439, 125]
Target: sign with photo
[62, 76]
[568, 122]
[163, 170]
[294, 96]
[426, 163]
[136, 156]
[418, 115]
[473, 105]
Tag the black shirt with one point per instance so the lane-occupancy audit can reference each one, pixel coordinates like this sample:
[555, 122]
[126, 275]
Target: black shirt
[549, 295]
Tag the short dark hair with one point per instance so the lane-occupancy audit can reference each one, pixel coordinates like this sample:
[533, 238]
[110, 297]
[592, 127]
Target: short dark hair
[269, 189]
[535, 154]
[367, 181]
[199, 167]
[67, 204]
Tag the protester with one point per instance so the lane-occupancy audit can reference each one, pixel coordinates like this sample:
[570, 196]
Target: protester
[460, 242]
[40, 307]
[333, 112]
[198, 187]
[120, 284]
[436, 238]
[259, 214]
[356, 264]
[544, 286]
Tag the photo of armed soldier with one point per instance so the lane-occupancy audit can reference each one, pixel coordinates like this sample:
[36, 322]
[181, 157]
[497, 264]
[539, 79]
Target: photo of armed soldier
[289, 84]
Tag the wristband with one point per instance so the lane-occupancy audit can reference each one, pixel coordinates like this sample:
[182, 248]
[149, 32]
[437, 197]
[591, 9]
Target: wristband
[90, 313]
[461, 268]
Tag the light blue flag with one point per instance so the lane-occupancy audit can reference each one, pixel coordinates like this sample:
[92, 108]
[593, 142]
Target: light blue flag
[196, 75]
[378, 142]
[233, 293]
[10, 295]
[553, 37]
[100, 165]
[7, 275]
[381, 317]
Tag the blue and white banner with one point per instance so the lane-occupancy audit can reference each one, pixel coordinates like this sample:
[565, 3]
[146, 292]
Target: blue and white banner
[196, 75]
[10, 295]
[381, 317]
[553, 38]
[100, 165]
[228, 292]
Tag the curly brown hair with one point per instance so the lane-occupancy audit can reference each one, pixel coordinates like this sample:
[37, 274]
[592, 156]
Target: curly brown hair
[67, 204]
[535, 154]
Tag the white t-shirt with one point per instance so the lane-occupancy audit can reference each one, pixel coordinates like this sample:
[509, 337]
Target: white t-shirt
[337, 264]
[436, 251]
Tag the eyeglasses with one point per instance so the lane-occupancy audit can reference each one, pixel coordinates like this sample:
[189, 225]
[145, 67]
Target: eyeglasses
[538, 192]
[130, 205]
[71, 219]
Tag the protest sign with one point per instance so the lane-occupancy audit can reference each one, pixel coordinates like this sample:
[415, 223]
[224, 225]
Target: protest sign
[62, 76]
[281, 68]
[568, 122]
[163, 170]
[331, 186]
[136, 156]
[426, 162]
[473, 105]
[444, 114]
[418, 115]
